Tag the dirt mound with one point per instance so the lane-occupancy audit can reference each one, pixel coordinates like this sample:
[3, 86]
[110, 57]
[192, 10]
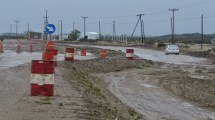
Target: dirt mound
[197, 86]
[111, 64]
[102, 103]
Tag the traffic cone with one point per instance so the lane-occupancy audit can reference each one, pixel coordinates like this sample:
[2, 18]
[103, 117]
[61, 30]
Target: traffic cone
[1, 47]
[31, 46]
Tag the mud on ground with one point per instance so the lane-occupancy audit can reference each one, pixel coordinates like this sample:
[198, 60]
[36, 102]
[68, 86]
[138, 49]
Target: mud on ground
[192, 82]
[101, 101]
[82, 95]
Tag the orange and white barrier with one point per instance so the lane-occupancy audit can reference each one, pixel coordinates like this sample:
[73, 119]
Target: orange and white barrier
[1, 47]
[83, 52]
[50, 46]
[48, 56]
[130, 54]
[103, 53]
[18, 47]
[31, 46]
[69, 55]
[50, 49]
[42, 78]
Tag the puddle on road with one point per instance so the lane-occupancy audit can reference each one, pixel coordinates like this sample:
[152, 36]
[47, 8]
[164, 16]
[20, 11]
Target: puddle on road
[187, 105]
[147, 85]
[199, 77]
[10, 59]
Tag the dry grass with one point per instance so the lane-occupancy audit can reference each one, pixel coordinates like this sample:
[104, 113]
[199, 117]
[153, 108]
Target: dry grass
[197, 47]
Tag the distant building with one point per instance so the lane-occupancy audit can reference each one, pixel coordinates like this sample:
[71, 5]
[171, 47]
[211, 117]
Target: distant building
[91, 35]
[35, 35]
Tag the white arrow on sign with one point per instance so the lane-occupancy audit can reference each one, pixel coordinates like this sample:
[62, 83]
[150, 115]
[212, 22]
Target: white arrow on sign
[51, 29]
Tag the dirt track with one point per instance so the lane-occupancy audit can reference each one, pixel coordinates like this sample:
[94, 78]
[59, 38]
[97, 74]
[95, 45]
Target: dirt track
[140, 89]
[69, 103]
[156, 90]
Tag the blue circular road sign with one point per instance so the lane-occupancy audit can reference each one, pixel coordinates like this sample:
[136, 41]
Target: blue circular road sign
[50, 29]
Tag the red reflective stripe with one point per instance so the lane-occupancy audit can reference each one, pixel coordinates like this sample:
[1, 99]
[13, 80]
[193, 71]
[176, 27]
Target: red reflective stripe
[45, 90]
[42, 67]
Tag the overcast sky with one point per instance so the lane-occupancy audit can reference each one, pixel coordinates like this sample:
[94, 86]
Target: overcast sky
[157, 16]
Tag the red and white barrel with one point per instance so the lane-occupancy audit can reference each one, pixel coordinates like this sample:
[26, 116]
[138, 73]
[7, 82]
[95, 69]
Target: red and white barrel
[103, 53]
[42, 78]
[130, 54]
[69, 55]
[31, 46]
[1, 47]
[48, 56]
[83, 52]
[18, 47]
[50, 46]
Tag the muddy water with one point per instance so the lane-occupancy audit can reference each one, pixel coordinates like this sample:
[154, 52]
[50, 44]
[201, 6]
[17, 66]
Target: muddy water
[10, 59]
[137, 90]
[154, 55]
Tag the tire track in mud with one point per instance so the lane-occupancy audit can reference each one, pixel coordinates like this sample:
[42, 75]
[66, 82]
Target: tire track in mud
[136, 89]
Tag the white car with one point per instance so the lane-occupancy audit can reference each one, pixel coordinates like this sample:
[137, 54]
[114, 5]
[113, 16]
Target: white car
[172, 49]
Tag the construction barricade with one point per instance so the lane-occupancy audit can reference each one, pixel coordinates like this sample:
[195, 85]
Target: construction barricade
[1, 47]
[130, 54]
[42, 78]
[50, 49]
[31, 46]
[50, 46]
[18, 47]
[103, 53]
[48, 56]
[69, 55]
[83, 52]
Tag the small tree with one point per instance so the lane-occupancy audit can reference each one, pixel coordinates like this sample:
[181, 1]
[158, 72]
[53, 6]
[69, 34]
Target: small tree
[74, 35]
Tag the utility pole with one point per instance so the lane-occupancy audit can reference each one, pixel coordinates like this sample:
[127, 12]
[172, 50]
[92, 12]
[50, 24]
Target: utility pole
[171, 31]
[61, 30]
[17, 28]
[84, 26]
[143, 31]
[114, 31]
[141, 22]
[202, 36]
[173, 22]
[46, 23]
[99, 30]
[73, 26]
[141, 28]
[10, 29]
[58, 30]
[28, 32]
